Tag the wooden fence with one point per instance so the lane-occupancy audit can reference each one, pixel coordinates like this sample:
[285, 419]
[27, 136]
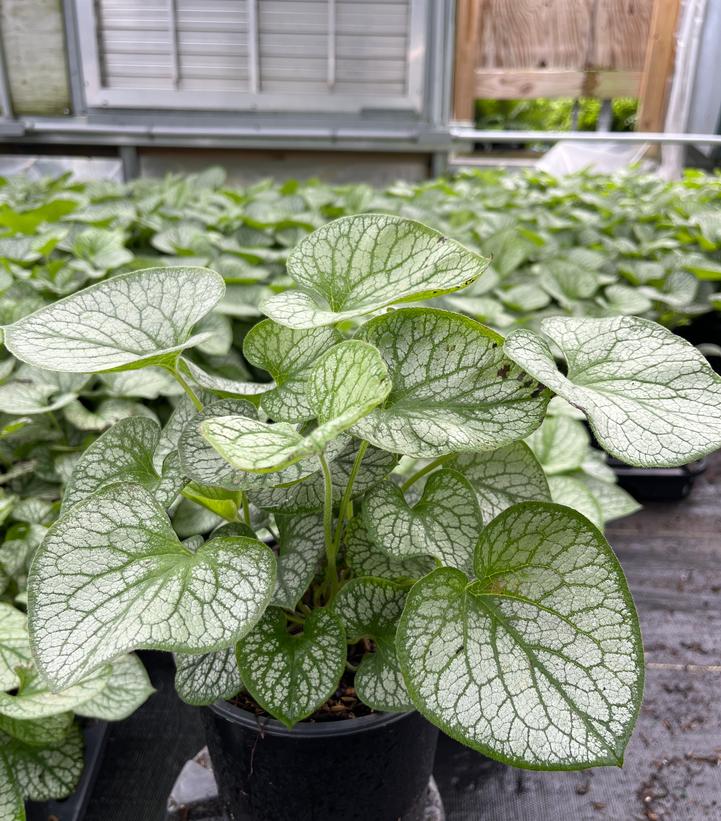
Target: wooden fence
[522, 49]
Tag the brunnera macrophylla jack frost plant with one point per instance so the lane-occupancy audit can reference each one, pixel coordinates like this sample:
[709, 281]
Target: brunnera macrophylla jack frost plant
[378, 489]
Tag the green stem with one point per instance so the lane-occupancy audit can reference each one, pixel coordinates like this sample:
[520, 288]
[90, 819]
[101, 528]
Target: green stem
[186, 387]
[246, 507]
[419, 474]
[331, 576]
[345, 501]
[54, 421]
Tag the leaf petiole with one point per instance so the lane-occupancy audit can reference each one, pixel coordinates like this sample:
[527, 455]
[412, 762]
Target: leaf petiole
[246, 507]
[331, 576]
[424, 471]
[186, 387]
[345, 501]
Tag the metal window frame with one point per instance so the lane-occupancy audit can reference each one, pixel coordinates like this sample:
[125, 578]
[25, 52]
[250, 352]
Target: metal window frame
[97, 96]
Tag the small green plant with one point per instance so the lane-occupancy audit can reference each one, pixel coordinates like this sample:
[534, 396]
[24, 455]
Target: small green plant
[378, 495]
[41, 746]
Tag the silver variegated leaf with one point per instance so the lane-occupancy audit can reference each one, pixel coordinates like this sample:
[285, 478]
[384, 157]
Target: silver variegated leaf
[37, 773]
[453, 388]
[367, 559]
[359, 264]
[370, 608]
[198, 459]
[560, 444]
[14, 645]
[503, 477]
[537, 663]
[220, 385]
[111, 576]
[614, 501]
[289, 356]
[39, 732]
[207, 677]
[444, 523]
[290, 676]
[34, 699]
[32, 390]
[346, 383]
[651, 398]
[128, 321]
[573, 492]
[301, 548]
[125, 453]
[126, 688]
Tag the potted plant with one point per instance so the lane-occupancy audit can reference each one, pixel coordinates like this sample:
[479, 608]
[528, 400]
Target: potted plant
[389, 537]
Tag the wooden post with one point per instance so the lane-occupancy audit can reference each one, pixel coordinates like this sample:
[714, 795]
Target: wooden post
[658, 65]
[464, 80]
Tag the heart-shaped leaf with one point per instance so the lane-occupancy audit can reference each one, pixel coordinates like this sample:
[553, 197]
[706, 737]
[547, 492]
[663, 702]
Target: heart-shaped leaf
[360, 264]
[301, 547]
[128, 321]
[291, 675]
[124, 453]
[370, 609]
[503, 477]
[444, 523]
[453, 389]
[289, 356]
[367, 559]
[37, 773]
[206, 678]
[347, 381]
[112, 576]
[539, 662]
[651, 398]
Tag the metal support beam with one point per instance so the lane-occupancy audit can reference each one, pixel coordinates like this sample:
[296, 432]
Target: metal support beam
[130, 162]
[331, 45]
[253, 50]
[173, 36]
[464, 135]
[6, 103]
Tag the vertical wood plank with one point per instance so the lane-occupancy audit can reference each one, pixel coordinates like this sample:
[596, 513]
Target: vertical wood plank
[621, 34]
[658, 65]
[468, 15]
[535, 33]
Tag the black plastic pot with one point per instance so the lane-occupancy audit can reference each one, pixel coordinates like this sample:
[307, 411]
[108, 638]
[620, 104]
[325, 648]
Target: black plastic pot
[657, 484]
[704, 329]
[374, 768]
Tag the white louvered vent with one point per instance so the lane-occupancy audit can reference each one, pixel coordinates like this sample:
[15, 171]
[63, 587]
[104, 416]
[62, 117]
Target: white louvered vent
[253, 54]
[188, 45]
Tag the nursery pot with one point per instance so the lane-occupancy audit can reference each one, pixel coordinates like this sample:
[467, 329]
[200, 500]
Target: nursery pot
[374, 768]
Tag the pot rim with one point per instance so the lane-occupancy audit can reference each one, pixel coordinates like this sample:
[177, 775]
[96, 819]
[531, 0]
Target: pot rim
[321, 729]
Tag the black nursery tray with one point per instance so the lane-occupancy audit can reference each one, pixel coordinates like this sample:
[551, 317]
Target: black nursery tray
[704, 329]
[73, 808]
[657, 484]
